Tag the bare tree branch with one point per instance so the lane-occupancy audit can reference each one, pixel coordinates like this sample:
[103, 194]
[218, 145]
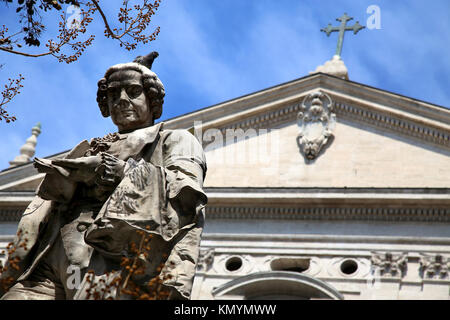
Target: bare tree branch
[10, 91]
[134, 20]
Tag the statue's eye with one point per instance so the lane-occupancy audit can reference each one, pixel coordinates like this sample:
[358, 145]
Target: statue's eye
[134, 91]
[114, 93]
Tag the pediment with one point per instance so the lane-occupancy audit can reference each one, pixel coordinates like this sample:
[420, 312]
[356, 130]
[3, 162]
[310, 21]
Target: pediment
[380, 139]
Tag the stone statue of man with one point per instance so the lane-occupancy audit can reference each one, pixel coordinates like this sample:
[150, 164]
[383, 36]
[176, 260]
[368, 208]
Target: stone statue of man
[96, 207]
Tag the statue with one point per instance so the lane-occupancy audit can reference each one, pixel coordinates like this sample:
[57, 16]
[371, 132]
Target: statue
[130, 201]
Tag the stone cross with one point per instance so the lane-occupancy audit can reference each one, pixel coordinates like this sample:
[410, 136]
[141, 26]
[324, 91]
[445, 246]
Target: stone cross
[342, 28]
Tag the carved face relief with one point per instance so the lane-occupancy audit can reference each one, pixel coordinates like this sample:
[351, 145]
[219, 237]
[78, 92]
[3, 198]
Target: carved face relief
[316, 122]
[127, 101]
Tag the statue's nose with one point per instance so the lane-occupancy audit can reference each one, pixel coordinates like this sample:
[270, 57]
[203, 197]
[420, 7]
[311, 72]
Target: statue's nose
[124, 100]
[123, 95]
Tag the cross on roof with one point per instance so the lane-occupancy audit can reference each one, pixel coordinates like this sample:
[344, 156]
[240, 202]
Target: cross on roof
[342, 28]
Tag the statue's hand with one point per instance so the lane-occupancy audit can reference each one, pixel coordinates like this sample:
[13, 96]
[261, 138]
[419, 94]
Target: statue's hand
[80, 169]
[110, 171]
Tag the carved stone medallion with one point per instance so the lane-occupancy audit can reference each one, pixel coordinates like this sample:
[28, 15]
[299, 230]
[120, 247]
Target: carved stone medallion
[316, 121]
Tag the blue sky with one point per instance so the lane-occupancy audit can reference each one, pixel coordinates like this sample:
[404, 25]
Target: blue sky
[212, 51]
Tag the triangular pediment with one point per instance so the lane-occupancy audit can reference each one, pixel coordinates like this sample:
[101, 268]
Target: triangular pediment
[380, 139]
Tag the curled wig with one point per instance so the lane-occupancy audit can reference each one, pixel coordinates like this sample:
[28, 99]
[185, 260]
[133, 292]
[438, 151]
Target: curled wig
[153, 88]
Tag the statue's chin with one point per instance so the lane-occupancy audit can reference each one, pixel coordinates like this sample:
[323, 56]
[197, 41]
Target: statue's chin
[131, 126]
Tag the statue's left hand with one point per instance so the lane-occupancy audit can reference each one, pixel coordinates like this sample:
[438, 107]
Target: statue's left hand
[110, 171]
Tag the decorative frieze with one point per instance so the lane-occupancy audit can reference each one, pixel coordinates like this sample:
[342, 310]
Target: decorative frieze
[316, 213]
[389, 264]
[296, 213]
[388, 121]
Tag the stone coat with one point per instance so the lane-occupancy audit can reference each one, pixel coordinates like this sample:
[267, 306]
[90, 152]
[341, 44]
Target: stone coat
[161, 194]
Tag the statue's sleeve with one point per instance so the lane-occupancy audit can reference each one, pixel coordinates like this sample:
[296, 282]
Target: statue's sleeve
[185, 169]
[164, 198]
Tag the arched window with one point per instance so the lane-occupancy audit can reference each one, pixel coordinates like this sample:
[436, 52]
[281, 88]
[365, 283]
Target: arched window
[277, 285]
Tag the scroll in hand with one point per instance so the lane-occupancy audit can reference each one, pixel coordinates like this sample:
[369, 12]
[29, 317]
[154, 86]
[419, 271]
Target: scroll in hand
[103, 169]
[78, 170]
[46, 166]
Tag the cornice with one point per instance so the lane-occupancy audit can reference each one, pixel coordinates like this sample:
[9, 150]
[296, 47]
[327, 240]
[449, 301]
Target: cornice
[329, 197]
[329, 213]
[230, 239]
[435, 133]
[13, 199]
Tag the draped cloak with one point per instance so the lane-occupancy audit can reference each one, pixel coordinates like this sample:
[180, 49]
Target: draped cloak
[160, 194]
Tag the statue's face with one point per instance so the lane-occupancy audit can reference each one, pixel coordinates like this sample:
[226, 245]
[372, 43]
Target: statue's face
[127, 101]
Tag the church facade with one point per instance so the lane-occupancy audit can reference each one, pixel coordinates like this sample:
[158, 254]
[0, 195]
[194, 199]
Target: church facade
[319, 188]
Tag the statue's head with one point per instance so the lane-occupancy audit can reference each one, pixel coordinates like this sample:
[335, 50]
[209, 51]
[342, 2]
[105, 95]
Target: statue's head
[131, 94]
